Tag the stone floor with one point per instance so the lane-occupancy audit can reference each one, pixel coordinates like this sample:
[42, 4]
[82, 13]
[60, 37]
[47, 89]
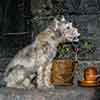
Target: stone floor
[60, 93]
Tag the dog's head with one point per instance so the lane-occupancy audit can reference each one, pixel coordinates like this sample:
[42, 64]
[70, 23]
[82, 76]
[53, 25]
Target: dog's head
[67, 31]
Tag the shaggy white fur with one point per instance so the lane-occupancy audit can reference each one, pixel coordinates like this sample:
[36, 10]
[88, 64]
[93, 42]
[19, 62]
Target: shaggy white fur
[37, 57]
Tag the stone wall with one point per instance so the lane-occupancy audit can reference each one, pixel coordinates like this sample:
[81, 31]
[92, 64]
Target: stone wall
[85, 14]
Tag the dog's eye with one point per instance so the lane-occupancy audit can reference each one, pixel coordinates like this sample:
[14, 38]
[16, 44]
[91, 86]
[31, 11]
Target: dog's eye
[68, 27]
[53, 37]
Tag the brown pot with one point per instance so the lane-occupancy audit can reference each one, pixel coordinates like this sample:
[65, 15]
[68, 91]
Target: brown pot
[90, 74]
[62, 72]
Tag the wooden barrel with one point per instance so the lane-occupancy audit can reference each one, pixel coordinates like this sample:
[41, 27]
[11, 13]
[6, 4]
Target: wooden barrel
[62, 72]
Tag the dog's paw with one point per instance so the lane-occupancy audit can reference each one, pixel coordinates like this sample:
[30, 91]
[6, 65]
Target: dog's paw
[50, 86]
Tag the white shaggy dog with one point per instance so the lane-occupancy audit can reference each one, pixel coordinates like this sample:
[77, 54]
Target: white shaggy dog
[37, 57]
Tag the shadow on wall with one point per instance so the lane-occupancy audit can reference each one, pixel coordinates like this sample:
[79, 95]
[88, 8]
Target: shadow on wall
[11, 19]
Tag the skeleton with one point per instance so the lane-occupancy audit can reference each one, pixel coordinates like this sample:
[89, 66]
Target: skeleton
[38, 56]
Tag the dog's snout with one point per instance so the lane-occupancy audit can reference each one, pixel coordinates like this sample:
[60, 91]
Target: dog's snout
[78, 37]
[78, 34]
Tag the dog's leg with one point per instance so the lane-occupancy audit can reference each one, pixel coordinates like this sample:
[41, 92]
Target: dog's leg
[19, 77]
[27, 83]
[15, 78]
[47, 76]
[40, 76]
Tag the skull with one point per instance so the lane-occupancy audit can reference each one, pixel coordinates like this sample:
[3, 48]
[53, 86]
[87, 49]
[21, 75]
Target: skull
[68, 32]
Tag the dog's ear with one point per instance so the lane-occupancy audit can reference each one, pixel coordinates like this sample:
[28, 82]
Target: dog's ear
[55, 24]
[69, 25]
[63, 19]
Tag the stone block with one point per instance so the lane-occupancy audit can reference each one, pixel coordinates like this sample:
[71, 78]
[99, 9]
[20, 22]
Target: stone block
[81, 6]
